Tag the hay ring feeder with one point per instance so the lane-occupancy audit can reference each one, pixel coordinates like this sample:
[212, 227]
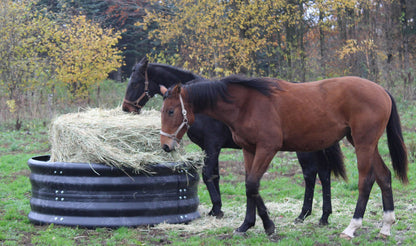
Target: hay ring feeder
[97, 195]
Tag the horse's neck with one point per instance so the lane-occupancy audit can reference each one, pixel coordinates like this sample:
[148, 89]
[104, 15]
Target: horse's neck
[226, 116]
[224, 112]
[228, 112]
[170, 75]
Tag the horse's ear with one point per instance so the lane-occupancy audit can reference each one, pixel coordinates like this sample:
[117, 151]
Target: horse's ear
[144, 60]
[143, 65]
[176, 89]
[163, 89]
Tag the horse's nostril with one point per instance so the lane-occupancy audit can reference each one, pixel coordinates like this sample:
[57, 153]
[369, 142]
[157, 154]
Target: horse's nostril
[166, 148]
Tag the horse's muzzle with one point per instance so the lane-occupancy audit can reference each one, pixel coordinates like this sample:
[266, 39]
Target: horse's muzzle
[130, 108]
[169, 145]
[166, 148]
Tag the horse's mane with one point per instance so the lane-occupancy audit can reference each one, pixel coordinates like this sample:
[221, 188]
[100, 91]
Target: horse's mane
[205, 93]
[178, 72]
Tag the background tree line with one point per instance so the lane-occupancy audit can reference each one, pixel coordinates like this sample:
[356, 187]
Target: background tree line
[297, 40]
[65, 48]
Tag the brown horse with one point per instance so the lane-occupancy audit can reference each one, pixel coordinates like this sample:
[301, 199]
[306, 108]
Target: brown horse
[267, 115]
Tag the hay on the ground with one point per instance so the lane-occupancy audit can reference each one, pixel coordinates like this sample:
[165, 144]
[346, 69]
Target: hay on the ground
[114, 138]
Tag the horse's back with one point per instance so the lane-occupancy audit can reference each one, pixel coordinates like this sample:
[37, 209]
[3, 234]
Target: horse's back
[359, 99]
[343, 93]
[317, 114]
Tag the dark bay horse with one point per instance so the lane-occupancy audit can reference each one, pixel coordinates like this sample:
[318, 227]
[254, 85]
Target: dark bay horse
[212, 135]
[267, 115]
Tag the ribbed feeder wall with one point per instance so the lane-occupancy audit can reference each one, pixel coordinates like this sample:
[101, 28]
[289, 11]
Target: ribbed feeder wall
[96, 195]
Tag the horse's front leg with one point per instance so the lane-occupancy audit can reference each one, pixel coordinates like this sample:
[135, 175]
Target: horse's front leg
[250, 219]
[211, 177]
[256, 165]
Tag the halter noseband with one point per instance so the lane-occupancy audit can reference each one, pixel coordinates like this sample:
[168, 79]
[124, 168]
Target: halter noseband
[144, 94]
[184, 123]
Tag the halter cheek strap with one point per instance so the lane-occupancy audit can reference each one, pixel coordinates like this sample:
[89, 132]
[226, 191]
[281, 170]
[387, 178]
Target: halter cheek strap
[144, 94]
[184, 123]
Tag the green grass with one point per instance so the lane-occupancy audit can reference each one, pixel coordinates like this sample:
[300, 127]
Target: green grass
[33, 137]
[282, 188]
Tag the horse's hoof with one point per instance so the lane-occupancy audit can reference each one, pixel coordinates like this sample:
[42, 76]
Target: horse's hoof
[240, 233]
[383, 236]
[270, 230]
[298, 220]
[345, 236]
[217, 215]
[323, 222]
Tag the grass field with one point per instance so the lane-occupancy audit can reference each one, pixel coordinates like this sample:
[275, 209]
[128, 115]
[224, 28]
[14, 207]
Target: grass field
[282, 189]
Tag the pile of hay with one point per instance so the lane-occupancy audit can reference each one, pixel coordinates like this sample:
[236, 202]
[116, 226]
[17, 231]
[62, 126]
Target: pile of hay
[114, 138]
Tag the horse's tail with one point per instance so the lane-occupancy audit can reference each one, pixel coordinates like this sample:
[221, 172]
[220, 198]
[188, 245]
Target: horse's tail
[398, 152]
[335, 161]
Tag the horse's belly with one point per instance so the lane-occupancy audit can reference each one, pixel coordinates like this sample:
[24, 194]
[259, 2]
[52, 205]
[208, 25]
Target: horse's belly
[312, 141]
[313, 145]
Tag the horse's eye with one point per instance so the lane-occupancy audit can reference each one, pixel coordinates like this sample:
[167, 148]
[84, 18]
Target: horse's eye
[170, 112]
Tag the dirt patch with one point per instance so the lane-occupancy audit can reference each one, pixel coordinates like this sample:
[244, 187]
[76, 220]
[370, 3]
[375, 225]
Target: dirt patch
[159, 237]
[232, 167]
[26, 239]
[13, 176]
[236, 168]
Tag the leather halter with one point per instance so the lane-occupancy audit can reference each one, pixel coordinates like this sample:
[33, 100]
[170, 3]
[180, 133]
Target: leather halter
[184, 123]
[144, 94]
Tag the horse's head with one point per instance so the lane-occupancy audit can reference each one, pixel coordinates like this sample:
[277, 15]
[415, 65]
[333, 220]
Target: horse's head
[177, 117]
[137, 92]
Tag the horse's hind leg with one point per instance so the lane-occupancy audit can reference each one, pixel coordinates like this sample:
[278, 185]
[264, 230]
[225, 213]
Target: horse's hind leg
[380, 173]
[383, 179]
[314, 163]
[309, 169]
[325, 177]
[365, 158]
[210, 175]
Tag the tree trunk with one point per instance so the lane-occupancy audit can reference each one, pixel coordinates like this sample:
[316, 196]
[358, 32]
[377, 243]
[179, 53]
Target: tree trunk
[322, 44]
[405, 36]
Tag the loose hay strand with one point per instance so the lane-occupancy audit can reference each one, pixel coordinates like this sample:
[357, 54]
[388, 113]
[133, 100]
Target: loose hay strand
[114, 138]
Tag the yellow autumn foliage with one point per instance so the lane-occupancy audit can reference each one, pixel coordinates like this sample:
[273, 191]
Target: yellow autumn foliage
[39, 52]
[85, 54]
[219, 36]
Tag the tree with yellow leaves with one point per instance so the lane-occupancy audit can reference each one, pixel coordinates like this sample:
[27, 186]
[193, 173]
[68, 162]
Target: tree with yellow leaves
[84, 55]
[38, 54]
[23, 65]
[23, 33]
[215, 37]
